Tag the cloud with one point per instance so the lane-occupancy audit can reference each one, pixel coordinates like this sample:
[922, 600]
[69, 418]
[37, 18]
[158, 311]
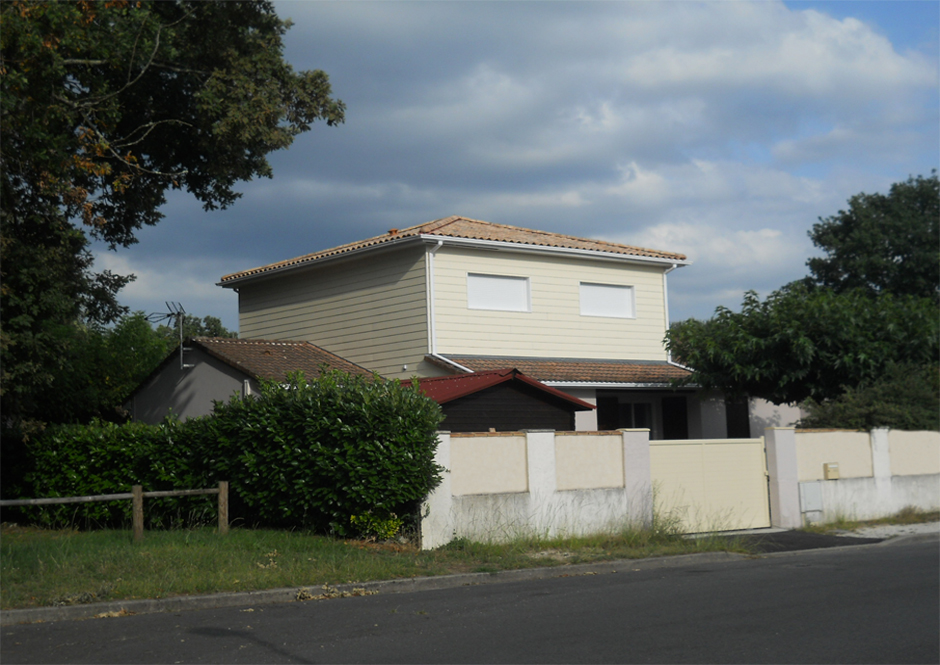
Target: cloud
[718, 129]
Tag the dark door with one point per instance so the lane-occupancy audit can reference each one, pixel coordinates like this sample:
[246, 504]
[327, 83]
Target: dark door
[675, 418]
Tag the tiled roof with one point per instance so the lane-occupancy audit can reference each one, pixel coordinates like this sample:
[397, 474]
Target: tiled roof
[472, 229]
[272, 359]
[443, 389]
[576, 370]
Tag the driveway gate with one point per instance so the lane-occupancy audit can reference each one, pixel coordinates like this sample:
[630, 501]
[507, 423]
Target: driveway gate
[711, 485]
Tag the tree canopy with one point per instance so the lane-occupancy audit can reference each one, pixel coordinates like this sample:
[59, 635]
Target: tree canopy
[869, 307]
[803, 343]
[883, 242]
[105, 107]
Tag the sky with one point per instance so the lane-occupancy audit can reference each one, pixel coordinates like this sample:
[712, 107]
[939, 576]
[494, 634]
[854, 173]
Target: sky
[721, 130]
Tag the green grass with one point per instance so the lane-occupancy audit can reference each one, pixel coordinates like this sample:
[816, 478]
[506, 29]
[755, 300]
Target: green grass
[908, 515]
[41, 567]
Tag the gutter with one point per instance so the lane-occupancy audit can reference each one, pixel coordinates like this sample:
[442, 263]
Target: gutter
[491, 245]
[447, 361]
[432, 330]
[499, 245]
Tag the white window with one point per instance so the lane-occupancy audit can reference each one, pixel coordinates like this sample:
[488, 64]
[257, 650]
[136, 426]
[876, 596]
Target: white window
[610, 300]
[508, 294]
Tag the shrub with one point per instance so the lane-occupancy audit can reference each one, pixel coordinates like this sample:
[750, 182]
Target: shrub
[105, 458]
[316, 453]
[905, 397]
[309, 454]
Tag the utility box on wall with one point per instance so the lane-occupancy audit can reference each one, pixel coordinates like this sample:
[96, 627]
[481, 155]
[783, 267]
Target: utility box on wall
[831, 470]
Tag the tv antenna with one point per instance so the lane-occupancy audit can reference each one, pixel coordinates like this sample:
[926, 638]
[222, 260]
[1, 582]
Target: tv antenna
[177, 313]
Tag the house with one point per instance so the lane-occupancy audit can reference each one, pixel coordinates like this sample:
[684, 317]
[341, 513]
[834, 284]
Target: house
[459, 295]
[502, 400]
[209, 369]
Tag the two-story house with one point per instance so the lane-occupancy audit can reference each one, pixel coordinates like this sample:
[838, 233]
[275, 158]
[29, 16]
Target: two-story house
[459, 295]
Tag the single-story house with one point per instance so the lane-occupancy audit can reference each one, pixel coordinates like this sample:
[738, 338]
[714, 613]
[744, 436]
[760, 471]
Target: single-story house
[209, 369]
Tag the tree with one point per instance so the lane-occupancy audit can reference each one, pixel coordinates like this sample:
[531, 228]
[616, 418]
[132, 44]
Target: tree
[837, 338]
[105, 106]
[804, 343]
[883, 242]
[193, 326]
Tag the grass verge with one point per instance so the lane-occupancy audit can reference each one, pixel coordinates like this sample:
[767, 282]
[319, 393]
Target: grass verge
[42, 567]
[908, 515]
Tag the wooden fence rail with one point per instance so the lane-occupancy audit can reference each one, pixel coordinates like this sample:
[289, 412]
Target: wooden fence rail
[137, 495]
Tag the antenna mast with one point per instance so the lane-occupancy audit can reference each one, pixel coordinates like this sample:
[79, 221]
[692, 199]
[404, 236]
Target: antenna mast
[177, 313]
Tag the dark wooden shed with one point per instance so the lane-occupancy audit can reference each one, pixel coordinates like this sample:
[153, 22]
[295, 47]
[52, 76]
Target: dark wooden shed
[501, 400]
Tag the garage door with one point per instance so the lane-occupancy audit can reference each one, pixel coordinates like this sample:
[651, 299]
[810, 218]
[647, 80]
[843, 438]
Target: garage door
[711, 485]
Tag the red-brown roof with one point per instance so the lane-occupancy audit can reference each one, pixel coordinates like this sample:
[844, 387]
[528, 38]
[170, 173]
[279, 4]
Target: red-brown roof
[274, 359]
[472, 229]
[443, 389]
[576, 370]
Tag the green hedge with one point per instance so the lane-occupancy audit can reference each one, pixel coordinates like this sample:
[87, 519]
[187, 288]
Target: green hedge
[105, 458]
[310, 454]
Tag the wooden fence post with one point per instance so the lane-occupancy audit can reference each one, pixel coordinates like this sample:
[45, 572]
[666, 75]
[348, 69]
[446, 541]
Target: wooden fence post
[137, 498]
[223, 507]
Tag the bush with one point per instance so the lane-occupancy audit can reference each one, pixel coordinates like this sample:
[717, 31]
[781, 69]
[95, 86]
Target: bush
[905, 397]
[311, 454]
[105, 458]
[316, 453]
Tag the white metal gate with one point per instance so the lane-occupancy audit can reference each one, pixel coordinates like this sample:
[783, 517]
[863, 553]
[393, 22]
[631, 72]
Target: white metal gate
[711, 485]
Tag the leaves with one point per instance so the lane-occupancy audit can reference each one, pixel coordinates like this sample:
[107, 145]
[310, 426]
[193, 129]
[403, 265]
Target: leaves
[806, 343]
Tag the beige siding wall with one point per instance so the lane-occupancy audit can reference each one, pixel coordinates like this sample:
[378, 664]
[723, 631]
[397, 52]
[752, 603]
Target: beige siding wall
[914, 453]
[588, 462]
[483, 464]
[850, 450]
[371, 310]
[555, 326]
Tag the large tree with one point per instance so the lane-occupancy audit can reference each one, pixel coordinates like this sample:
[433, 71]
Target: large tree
[802, 343]
[869, 307]
[106, 106]
[883, 242]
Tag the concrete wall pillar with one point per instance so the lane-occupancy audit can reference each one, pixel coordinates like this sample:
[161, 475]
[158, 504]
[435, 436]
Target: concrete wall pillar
[543, 480]
[780, 443]
[637, 475]
[881, 467]
[437, 515]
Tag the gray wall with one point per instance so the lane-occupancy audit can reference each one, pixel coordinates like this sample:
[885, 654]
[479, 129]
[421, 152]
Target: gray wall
[187, 392]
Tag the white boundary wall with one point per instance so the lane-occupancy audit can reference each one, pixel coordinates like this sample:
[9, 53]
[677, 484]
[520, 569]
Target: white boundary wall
[523, 492]
[880, 473]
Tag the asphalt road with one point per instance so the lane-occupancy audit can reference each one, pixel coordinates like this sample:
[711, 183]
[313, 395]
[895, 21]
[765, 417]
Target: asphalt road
[866, 604]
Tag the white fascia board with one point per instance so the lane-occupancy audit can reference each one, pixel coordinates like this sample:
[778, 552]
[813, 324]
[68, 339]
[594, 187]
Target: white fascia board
[499, 245]
[389, 244]
[490, 245]
[616, 386]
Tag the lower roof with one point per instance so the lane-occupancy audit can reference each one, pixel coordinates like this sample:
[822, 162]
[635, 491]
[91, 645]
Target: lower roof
[443, 389]
[586, 371]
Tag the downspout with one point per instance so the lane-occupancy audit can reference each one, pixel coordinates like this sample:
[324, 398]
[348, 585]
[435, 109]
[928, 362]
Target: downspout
[432, 332]
[432, 328]
[666, 304]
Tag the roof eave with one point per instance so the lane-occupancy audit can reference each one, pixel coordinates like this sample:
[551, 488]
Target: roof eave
[618, 385]
[451, 241]
[502, 245]
[302, 265]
